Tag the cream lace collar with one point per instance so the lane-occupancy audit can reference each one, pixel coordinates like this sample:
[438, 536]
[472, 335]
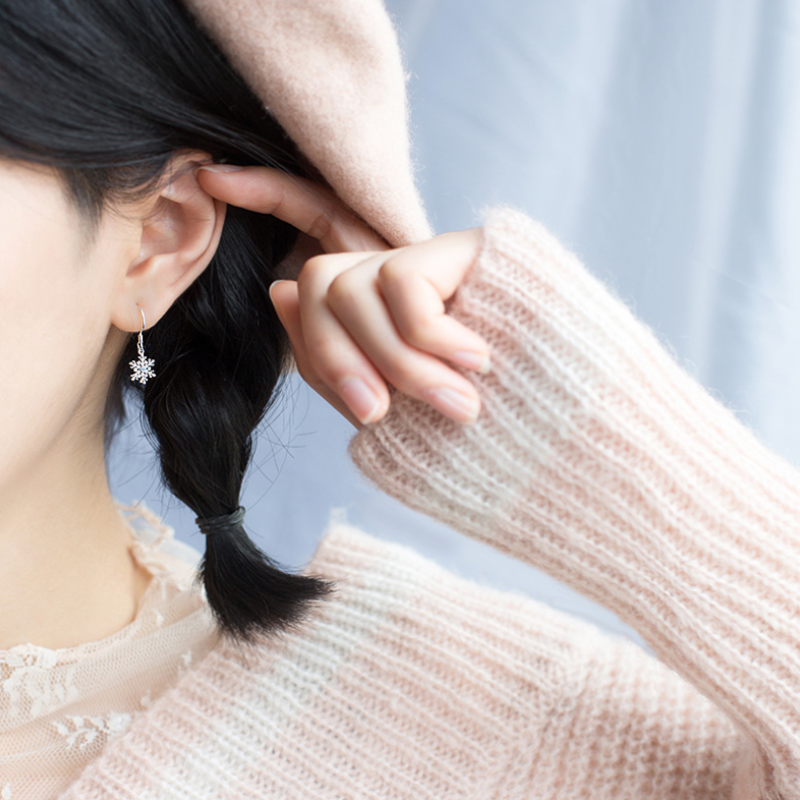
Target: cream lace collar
[59, 707]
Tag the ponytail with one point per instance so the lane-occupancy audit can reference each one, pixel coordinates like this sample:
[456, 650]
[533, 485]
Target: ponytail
[236, 575]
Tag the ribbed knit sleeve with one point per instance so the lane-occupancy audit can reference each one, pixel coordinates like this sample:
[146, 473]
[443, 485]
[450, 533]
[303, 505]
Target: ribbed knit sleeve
[599, 460]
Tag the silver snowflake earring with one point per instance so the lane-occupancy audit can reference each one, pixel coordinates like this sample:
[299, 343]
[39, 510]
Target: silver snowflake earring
[143, 367]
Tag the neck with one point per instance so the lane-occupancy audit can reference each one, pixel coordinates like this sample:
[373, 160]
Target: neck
[67, 575]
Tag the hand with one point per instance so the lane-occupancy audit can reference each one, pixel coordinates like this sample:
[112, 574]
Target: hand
[358, 321]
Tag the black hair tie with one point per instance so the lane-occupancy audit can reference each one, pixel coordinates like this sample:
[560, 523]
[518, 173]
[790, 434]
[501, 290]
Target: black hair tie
[221, 524]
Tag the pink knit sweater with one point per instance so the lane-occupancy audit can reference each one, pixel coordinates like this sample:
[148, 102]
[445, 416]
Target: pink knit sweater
[595, 458]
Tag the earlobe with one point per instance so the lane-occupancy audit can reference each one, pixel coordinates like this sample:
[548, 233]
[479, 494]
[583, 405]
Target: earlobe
[180, 232]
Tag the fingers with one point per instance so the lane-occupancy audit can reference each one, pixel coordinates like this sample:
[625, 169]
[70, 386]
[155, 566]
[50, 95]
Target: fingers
[361, 323]
[311, 208]
[285, 299]
[365, 316]
[335, 357]
[356, 319]
[327, 356]
[354, 347]
[415, 283]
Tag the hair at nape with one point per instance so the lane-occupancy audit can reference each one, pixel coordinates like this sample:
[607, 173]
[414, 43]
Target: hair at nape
[107, 92]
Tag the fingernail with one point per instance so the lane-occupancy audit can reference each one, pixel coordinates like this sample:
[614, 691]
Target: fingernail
[361, 400]
[222, 168]
[477, 361]
[272, 286]
[454, 404]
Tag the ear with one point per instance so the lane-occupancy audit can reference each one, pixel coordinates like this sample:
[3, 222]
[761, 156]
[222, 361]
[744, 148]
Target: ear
[181, 225]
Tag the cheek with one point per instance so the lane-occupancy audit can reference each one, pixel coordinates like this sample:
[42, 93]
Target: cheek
[54, 319]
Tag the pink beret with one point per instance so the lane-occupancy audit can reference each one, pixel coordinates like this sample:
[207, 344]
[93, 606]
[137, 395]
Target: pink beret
[331, 73]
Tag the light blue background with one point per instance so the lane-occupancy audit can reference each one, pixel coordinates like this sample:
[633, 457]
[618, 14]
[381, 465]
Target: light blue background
[661, 142]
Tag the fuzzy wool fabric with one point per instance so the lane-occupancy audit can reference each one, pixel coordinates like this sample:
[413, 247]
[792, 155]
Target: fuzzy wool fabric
[597, 458]
[332, 75]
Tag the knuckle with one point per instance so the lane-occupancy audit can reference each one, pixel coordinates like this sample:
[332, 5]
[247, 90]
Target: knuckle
[419, 333]
[323, 268]
[312, 270]
[405, 375]
[321, 226]
[343, 289]
[392, 273]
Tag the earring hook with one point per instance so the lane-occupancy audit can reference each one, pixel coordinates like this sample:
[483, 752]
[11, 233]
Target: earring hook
[142, 368]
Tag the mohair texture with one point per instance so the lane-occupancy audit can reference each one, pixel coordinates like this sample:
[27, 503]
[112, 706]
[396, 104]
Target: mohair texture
[331, 73]
[597, 458]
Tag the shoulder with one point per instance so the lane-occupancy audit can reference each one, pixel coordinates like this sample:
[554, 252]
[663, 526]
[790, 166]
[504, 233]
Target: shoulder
[407, 671]
[400, 630]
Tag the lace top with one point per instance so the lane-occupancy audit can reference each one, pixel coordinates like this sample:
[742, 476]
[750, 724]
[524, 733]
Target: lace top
[58, 708]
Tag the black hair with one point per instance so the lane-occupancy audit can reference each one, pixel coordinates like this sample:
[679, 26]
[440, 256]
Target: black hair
[107, 93]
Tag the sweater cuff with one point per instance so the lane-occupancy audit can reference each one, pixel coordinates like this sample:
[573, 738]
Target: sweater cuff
[599, 460]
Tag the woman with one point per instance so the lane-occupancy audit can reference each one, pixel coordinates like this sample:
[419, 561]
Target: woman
[594, 456]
